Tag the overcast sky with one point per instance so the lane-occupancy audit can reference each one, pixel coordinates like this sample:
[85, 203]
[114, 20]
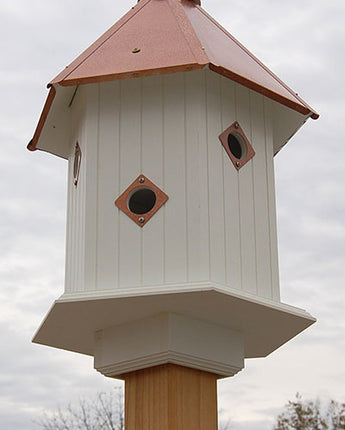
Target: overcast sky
[303, 43]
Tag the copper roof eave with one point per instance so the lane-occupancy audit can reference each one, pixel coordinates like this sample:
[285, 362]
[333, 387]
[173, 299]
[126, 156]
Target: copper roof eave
[32, 145]
[33, 142]
[301, 107]
[193, 23]
[129, 75]
[304, 109]
[190, 20]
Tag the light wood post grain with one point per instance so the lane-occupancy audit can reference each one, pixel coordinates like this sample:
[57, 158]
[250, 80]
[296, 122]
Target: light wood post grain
[170, 397]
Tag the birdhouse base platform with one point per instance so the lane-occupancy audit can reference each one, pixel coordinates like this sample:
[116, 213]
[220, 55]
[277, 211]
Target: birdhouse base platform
[265, 325]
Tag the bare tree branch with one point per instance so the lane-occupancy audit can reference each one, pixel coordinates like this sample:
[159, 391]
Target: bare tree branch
[104, 412]
[225, 425]
[308, 415]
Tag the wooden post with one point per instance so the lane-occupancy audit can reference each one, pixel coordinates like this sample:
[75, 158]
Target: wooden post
[170, 397]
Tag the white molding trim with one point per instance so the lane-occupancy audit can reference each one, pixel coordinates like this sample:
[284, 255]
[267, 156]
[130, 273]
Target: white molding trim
[169, 338]
[190, 287]
[215, 367]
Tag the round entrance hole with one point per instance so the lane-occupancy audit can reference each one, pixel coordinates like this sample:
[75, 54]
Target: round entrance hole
[141, 201]
[237, 146]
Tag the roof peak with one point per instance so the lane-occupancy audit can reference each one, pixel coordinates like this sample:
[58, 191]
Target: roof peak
[198, 2]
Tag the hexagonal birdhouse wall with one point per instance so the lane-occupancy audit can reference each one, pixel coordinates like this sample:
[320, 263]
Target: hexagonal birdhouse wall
[218, 224]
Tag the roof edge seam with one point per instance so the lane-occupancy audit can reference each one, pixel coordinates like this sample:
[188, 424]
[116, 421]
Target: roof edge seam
[130, 75]
[201, 59]
[302, 109]
[32, 145]
[272, 74]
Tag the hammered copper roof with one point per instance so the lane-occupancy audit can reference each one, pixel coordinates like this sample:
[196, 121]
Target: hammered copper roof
[168, 36]
[161, 31]
[164, 36]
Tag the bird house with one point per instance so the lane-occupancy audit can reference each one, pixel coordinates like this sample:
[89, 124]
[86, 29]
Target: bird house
[170, 127]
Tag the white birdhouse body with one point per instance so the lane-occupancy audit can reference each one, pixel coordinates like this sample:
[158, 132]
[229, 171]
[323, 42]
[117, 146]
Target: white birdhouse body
[171, 225]
[218, 225]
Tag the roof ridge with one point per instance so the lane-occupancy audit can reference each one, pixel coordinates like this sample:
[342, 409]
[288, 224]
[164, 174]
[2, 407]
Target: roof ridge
[256, 59]
[196, 48]
[240, 45]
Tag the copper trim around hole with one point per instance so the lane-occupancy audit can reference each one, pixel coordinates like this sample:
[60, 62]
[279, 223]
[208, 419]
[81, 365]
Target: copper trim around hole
[141, 182]
[236, 131]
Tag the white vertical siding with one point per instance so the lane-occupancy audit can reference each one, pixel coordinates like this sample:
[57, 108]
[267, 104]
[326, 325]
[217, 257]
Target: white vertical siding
[215, 180]
[152, 167]
[271, 200]
[80, 191]
[91, 154]
[231, 194]
[130, 239]
[218, 224]
[261, 216]
[108, 186]
[175, 247]
[197, 192]
[76, 201]
[71, 215]
[246, 197]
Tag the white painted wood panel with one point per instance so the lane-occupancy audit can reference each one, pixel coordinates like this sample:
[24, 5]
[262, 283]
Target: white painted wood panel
[175, 179]
[79, 204]
[272, 200]
[197, 178]
[130, 236]
[91, 184]
[81, 219]
[231, 193]
[262, 234]
[152, 166]
[215, 180]
[75, 209]
[74, 228]
[218, 224]
[108, 187]
[70, 255]
[246, 198]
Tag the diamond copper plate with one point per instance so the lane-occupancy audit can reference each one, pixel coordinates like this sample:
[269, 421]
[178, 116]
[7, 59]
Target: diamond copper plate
[236, 145]
[141, 200]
